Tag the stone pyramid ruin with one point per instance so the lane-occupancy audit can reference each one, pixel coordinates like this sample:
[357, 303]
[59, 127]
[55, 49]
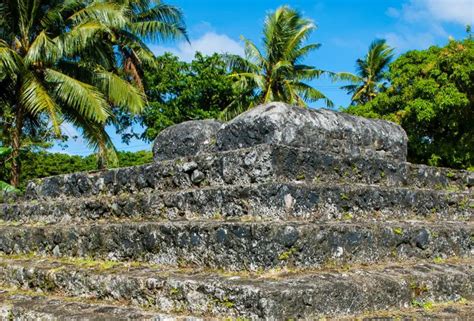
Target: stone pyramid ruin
[283, 213]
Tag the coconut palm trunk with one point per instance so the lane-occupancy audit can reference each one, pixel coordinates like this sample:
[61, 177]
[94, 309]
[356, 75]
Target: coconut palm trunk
[16, 144]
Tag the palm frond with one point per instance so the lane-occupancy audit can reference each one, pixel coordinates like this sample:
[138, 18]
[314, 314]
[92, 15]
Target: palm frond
[237, 64]
[35, 98]
[346, 76]
[311, 94]
[120, 92]
[252, 53]
[85, 98]
[108, 13]
[42, 49]
[158, 30]
[10, 62]
[81, 37]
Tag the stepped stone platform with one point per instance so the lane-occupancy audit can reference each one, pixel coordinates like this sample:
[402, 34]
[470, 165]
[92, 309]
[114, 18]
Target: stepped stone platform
[282, 213]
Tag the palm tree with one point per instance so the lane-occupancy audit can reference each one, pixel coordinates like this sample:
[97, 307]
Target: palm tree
[277, 73]
[150, 20]
[72, 60]
[370, 73]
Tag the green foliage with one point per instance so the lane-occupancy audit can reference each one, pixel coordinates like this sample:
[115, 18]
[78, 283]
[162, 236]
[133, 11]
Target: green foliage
[277, 72]
[370, 73]
[43, 164]
[179, 91]
[398, 230]
[286, 255]
[432, 97]
[5, 151]
[74, 61]
[5, 187]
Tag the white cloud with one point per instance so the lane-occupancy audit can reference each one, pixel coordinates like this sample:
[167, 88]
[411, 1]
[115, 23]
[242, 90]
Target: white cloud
[457, 11]
[209, 43]
[420, 22]
[403, 41]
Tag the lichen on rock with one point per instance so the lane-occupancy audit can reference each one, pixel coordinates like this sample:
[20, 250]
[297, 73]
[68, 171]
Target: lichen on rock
[321, 129]
[186, 139]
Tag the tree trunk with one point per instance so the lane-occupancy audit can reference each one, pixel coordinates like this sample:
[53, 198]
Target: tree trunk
[101, 157]
[16, 144]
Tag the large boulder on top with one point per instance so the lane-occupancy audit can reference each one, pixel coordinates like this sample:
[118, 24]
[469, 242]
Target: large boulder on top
[321, 129]
[186, 139]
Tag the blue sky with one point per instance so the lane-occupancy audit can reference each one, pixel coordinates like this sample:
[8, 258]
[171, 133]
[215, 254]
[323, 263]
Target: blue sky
[345, 30]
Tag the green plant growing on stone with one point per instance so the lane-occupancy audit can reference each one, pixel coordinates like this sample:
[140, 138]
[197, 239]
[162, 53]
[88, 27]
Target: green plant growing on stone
[439, 260]
[394, 253]
[450, 175]
[300, 177]
[287, 254]
[347, 216]
[426, 305]
[398, 230]
[344, 197]
[464, 203]
[175, 291]
[355, 170]
[452, 188]
[438, 186]
[205, 182]
[217, 216]
[227, 303]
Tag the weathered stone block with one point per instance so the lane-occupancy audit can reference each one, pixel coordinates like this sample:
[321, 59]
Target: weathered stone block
[324, 130]
[267, 201]
[258, 164]
[186, 139]
[244, 245]
[276, 296]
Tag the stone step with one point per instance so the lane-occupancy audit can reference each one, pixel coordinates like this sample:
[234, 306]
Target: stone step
[38, 307]
[266, 201]
[244, 245]
[265, 296]
[264, 163]
[34, 306]
[454, 311]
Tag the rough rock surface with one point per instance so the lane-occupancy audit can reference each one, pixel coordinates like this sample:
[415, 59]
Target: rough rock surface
[278, 298]
[319, 216]
[242, 245]
[264, 163]
[267, 201]
[324, 130]
[186, 139]
[21, 307]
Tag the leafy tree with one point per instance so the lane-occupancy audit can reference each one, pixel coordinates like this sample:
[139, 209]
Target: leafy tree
[277, 73]
[178, 91]
[432, 97]
[370, 73]
[72, 61]
[42, 164]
